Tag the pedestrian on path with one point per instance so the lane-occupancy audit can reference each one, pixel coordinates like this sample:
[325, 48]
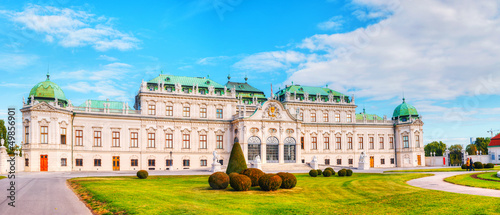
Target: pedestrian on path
[472, 165]
[468, 164]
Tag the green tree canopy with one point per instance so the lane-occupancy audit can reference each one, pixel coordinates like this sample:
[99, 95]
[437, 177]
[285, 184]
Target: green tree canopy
[455, 154]
[435, 146]
[471, 149]
[3, 132]
[482, 144]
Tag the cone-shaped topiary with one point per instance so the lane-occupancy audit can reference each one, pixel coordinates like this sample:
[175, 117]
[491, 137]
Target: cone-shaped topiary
[348, 172]
[327, 173]
[270, 182]
[319, 172]
[237, 161]
[142, 174]
[313, 173]
[254, 174]
[288, 180]
[240, 182]
[342, 172]
[218, 180]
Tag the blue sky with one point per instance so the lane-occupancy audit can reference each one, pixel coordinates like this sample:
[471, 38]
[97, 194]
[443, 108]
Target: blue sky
[444, 55]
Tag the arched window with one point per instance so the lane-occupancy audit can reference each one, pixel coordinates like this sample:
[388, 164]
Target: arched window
[272, 149]
[253, 147]
[290, 150]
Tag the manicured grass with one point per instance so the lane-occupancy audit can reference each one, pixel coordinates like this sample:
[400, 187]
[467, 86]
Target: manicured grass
[452, 169]
[489, 175]
[359, 194]
[467, 180]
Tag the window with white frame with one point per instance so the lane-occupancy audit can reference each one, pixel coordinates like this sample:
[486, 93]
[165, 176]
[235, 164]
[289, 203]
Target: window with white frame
[186, 143]
[349, 142]
[26, 134]
[169, 140]
[337, 117]
[151, 140]
[134, 139]
[406, 142]
[186, 112]
[219, 113]
[97, 138]
[152, 109]
[417, 141]
[220, 142]
[326, 141]
[314, 142]
[371, 140]
[349, 117]
[338, 141]
[44, 134]
[79, 137]
[313, 117]
[116, 139]
[63, 136]
[203, 141]
[203, 112]
[169, 110]
[381, 141]
[361, 143]
[391, 142]
[325, 117]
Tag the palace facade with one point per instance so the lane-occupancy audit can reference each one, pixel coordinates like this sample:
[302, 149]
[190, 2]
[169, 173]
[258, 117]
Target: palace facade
[177, 122]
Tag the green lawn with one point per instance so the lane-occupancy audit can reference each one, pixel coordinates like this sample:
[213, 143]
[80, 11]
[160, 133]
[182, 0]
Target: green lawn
[489, 175]
[452, 169]
[467, 180]
[359, 194]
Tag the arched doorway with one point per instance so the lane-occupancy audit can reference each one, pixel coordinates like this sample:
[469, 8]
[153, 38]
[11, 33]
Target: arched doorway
[253, 147]
[289, 148]
[272, 150]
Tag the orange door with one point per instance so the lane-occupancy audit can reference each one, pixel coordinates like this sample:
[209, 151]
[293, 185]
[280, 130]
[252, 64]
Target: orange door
[44, 163]
[419, 159]
[372, 161]
[116, 163]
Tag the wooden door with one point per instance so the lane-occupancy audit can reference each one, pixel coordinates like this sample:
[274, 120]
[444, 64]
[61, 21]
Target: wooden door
[44, 163]
[116, 163]
[419, 159]
[372, 161]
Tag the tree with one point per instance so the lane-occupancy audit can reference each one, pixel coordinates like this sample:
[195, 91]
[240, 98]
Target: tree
[237, 161]
[471, 149]
[437, 147]
[482, 144]
[3, 133]
[455, 154]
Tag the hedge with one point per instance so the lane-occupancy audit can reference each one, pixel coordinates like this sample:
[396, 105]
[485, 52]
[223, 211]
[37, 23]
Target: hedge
[218, 180]
[142, 174]
[254, 174]
[288, 180]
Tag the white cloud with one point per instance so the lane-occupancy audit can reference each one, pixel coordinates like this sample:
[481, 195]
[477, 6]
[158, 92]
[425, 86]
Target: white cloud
[13, 62]
[270, 61]
[108, 58]
[334, 23]
[212, 61]
[73, 28]
[428, 49]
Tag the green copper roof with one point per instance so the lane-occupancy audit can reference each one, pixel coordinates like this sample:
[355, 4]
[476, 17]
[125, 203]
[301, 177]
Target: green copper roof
[100, 104]
[404, 109]
[242, 87]
[47, 89]
[359, 116]
[185, 81]
[312, 91]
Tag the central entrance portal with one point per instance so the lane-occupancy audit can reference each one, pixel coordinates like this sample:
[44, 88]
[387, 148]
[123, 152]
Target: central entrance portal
[44, 163]
[272, 149]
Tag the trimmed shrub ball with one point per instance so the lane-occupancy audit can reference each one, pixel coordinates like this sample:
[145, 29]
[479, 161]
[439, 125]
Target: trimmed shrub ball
[489, 165]
[313, 173]
[270, 182]
[331, 169]
[218, 181]
[319, 172]
[240, 182]
[142, 174]
[464, 166]
[348, 172]
[288, 180]
[232, 174]
[342, 172]
[254, 174]
[478, 165]
[327, 173]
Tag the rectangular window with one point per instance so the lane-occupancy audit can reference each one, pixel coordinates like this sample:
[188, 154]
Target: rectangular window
[63, 162]
[382, 161]
[327, 161]
[349, 142]
[406, 142]
[169, 110]
[338, 143]
[151, 140]
[371, 141]
[219, 114]
[97, 162]
[326, 140]
[44, 134]
[169, 140]
[134, 162]
[220, 142]
[302, 142]
[203, 113]
[169, 162]
[63, 136]
[314, 142]
[351, 161]
[116, 139]
[203, 162]
[26, 162]
[185, 163]
[349, 117]
[186, 112]
[79, 162]
[186, 144]
[151, 162]
[417, 141]
[337, 117]
[381, 141]
[313, 117]
[79, 138]
[134, 139]
[361, 143]
[339, 161]
[392, 160]
[391, 142]
[97, 138]
[152, 109]
[325, 117]
[26, 134]
[203, 141]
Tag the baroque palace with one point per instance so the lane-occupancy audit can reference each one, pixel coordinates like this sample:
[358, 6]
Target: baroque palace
[177, 122]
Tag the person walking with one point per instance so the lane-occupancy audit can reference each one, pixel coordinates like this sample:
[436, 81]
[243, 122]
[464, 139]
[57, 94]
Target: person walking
[468, 164]
[472, 165]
